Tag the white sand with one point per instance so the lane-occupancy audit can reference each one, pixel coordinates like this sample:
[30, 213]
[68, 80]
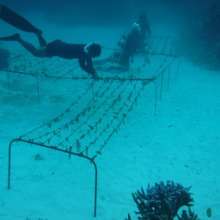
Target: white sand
[180, 143]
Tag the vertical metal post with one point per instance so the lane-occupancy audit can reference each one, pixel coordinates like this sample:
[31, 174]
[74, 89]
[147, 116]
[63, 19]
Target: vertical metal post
[168, 77]
[161, 84]
[9, 163]
[95, 188]
[60, 150]
[155, 97]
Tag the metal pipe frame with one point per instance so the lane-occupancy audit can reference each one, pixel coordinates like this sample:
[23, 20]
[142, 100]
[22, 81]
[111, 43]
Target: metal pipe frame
[55, 148]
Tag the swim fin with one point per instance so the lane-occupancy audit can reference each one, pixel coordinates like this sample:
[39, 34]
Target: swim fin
[16, 20]
[14, 37]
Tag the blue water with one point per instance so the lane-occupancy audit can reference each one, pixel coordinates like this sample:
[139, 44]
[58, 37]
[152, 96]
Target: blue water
[138, 131]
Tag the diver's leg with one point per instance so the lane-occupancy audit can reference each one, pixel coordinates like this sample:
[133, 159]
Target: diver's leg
[16, 20]
[30, 48]
[21, 23]
[41, 40]
[13, 37]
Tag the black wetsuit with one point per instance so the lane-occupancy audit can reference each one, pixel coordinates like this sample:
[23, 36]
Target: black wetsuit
[71, 51]
[55, 48]
[131, 45]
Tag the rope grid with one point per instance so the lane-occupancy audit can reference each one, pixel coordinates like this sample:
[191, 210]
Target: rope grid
[89, 130]
[87, 125]
[94, 125]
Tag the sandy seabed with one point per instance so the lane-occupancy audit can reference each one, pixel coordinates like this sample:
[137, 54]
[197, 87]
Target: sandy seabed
[180, 143]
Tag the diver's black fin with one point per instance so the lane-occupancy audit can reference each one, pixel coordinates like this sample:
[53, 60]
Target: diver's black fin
[14, 37]
[16, 20]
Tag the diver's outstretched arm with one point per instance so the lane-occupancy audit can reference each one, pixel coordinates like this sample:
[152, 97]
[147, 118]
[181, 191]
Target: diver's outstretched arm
[102, 61]
[16, 20]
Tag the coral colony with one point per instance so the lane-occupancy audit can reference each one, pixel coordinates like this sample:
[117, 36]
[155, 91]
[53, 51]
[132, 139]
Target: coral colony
[163, 201]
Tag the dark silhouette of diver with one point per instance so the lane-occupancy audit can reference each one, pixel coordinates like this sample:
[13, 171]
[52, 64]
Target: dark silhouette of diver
[132, 43]
[83, 52]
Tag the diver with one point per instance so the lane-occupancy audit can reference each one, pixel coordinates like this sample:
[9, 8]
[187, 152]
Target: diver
[83, 52]
[135, 41]
[129, 45]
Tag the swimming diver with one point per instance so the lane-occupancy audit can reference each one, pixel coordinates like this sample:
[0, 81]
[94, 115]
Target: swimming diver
[83, 52]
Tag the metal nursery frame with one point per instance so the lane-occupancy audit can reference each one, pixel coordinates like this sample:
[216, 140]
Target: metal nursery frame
[69, 151]
[55, 148]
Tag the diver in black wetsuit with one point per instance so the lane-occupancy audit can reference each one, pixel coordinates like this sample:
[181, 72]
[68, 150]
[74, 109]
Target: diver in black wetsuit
[83, 52]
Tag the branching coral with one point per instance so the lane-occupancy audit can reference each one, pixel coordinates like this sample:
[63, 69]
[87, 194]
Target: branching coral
[162, 202]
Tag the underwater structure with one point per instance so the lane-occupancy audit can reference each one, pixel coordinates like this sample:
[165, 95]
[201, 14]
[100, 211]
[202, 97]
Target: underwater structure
[84, 129]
